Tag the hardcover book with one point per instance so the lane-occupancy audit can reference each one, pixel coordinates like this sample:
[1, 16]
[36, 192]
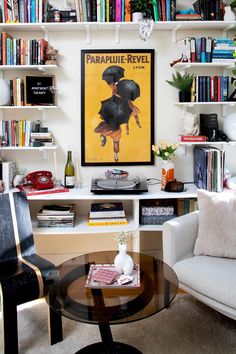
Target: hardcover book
[106, 210]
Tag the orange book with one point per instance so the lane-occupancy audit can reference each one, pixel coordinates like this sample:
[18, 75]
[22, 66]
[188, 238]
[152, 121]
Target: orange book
[127, 11]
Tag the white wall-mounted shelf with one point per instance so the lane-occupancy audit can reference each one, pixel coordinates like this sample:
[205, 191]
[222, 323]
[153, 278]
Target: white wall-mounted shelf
[40, 148]
[39, 108]
[184, 66]
[42, 68]
[190, 143]
[191, 104]
[81, 26]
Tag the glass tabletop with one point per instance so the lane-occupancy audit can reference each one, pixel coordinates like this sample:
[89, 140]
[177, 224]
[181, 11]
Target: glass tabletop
[68, 293]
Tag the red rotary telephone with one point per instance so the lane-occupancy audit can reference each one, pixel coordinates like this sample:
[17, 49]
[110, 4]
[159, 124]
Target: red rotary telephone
[40, 179]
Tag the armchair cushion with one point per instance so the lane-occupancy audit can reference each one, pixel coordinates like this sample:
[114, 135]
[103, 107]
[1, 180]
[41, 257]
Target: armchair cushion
[210, 276]
[217, 224]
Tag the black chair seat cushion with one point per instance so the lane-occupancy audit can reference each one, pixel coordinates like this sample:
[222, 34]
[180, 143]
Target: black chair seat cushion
[20, 282]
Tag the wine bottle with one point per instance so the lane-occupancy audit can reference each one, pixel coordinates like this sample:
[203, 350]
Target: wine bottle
[69, 172]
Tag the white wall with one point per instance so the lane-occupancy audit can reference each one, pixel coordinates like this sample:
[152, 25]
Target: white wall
[65, 122]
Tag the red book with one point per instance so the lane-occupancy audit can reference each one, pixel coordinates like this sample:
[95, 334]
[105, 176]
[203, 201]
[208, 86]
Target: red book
[219, 88]
[163, 10]
[193, 138]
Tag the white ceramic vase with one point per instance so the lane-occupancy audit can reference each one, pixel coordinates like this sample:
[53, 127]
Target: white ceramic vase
[167, 173]
[4, 92]
[229, 15]
[137, 16]
[123, 262]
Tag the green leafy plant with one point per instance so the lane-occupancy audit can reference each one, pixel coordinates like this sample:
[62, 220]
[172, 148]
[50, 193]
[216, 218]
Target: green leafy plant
[141, 6]
[233, 4]
[182, 83]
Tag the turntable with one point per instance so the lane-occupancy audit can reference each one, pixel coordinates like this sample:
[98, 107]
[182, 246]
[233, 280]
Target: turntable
[128, 185]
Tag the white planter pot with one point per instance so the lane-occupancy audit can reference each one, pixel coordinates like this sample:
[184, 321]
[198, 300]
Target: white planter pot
[123, 262]
[137, 16]
[4, 92]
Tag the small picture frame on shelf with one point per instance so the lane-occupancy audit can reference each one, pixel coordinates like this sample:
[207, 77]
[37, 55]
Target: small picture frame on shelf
[39, 90]
[117, 107]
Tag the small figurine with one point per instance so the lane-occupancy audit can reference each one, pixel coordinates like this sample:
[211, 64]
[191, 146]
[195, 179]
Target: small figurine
[51, 56]
[191, 126]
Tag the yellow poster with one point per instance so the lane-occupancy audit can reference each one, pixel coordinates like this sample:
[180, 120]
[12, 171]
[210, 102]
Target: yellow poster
[117, 107]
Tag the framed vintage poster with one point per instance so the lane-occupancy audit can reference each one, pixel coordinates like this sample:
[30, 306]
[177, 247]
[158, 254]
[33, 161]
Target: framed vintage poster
[117, 108]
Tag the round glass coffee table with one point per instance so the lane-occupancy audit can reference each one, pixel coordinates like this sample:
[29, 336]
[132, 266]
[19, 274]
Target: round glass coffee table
[109, 306]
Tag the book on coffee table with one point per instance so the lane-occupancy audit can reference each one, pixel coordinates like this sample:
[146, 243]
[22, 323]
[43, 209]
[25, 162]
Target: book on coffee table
[106, 276]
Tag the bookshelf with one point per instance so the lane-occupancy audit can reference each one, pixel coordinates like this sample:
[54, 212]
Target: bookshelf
[82, 197]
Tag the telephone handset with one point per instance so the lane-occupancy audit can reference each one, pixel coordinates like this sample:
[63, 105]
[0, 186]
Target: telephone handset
[40, 179]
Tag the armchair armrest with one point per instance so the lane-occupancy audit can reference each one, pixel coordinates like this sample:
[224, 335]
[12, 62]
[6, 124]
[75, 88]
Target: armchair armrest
[178, 237]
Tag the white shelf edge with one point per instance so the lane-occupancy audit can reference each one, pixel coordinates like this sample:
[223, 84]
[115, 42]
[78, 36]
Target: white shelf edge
[28, 67]
[158, 26]
[190, 143]
[40, 148]
[28, 107]
[191, 104]
[150, 228]
[202, 65]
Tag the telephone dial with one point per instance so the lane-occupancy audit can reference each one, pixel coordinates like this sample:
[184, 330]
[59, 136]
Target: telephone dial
[40, 179]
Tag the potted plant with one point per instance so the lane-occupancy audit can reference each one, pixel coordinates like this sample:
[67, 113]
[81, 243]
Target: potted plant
[183, 83]
[140, 8]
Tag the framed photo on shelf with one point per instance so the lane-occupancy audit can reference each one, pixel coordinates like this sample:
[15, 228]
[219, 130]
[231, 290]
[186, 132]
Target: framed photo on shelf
[39, 90]
[117, 107]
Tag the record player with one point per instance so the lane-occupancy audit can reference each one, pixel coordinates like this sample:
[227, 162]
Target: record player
[128, 185]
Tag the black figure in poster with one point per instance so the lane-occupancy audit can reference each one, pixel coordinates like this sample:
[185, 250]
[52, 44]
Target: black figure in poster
[117, 109]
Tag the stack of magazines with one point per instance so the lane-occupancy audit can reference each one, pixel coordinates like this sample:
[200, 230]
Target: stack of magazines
[107, 214]
[56, 216]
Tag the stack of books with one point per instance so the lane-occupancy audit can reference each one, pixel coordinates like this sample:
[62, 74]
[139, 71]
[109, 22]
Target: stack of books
[156, 214]
[41, 139]
[56, 216]
[107, 214]
[223, 51]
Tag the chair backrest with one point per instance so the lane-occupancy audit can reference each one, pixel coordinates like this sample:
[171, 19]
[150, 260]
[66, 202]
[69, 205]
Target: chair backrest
[16, 235]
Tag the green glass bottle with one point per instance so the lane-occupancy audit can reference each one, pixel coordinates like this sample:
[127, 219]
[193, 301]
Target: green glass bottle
[69, 172]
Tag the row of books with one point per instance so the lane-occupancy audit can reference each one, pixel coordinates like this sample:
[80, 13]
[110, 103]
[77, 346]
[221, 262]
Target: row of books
[56, 216]
[158, 211]
[107, 214]
[210, 89]
[209, 168]
[206, 49]
[14, 51]
[20, 133]
[24, 11]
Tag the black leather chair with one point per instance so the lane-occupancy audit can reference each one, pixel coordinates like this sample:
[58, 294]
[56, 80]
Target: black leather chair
[22, 272]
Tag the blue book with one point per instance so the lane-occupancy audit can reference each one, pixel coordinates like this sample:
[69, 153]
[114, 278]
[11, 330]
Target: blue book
[225, 88]
[203, 50]
[208, 89]
[123, 11]
[33, 11]
[168, 10]
[200, 89]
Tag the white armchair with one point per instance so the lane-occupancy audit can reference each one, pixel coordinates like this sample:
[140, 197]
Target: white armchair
[211, 280]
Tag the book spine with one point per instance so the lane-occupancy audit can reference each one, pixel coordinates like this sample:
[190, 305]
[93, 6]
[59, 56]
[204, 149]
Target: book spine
[193, 138]
[172, 10]
[118, 10]
[127, 11]
[107, 223]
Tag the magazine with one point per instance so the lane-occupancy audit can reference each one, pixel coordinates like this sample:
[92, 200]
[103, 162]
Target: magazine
[106, 276]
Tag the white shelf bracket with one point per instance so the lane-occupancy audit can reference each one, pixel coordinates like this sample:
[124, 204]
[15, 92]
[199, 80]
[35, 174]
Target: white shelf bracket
[45, 31]
[174, 33]
[88, 34]
[225, 30]
[42, 70]
[117, 34]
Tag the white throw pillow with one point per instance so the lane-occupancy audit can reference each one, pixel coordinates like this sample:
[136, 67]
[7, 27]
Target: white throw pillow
[217, 224]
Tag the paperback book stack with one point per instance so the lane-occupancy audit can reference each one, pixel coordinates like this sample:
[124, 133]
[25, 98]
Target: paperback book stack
[107, 214]
[156, 215]
[223, 52]
[56, 216]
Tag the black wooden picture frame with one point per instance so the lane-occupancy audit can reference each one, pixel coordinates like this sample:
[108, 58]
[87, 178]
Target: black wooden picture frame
[117, 107]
